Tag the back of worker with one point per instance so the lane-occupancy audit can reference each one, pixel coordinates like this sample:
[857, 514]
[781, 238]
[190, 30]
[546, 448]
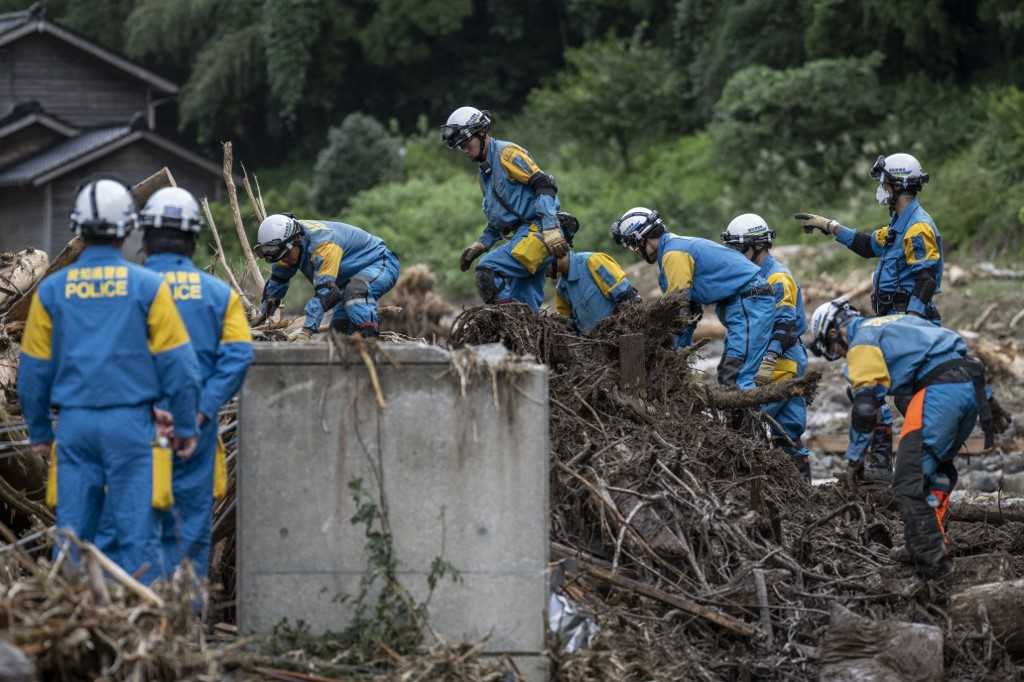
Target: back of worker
[591, 288]
[103, 343]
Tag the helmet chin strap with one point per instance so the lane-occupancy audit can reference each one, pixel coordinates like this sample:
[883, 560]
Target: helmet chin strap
[482, 156]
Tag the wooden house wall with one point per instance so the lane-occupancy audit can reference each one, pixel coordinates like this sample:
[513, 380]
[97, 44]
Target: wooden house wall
[25, 142]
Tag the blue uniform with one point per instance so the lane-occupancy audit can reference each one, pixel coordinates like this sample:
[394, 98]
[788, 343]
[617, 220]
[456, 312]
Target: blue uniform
[590, 291]
[519, 207]
[346, 265]
[925, 368]
[216, 323]
[788, 325]
[910, 261]
[715, 274]
[103, 343]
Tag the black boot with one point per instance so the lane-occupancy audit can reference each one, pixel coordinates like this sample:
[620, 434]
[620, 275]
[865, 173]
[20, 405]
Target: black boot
[879, 466]
[803, 465]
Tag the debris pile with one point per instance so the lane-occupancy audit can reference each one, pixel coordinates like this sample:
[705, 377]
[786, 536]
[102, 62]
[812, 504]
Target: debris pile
[697, 547]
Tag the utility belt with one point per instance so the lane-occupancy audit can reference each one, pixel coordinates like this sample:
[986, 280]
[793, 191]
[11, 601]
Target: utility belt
[957, 371]
[891, 302]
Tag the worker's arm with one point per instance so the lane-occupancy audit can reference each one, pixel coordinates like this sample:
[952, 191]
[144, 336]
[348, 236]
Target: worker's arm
[176, 364]
[491, 233]
[35, 372]
[277, 286]
[326, 261]
[784, 328]
[869, 376]
[921, 252]
[522, 169]
[865, 245]
[234, 354]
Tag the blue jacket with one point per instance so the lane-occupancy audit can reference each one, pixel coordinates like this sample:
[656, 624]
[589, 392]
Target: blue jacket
[332, 253]
[709, 271]
[889, 355]
[510, 172]
[216, 323]
[790, 322]
[104, 332]
[591, 289]
[909, 247]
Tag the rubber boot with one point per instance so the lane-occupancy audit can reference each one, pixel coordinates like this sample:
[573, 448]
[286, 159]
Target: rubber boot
[879, 466]
[803, 465]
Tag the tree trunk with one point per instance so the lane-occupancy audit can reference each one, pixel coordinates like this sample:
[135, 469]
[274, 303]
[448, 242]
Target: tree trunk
[999, 606]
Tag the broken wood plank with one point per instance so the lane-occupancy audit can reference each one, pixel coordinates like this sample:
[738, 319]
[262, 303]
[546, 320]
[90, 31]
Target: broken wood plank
[632, 365]
[835, 443]
[142, 191]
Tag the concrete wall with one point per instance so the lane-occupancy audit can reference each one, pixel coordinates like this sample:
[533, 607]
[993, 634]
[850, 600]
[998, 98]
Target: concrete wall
[309, 425]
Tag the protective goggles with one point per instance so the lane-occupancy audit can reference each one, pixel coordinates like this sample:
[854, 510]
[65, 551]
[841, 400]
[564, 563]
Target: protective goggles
[274, 250]
[456, 137]
[878, 168]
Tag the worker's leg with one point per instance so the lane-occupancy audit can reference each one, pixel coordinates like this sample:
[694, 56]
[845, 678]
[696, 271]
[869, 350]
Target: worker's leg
[363, 291]
[131, 466]
[79, 473]
[515, 270]
[185, 532]
[748, 324]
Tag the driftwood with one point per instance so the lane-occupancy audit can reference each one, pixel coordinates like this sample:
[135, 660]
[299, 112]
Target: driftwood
[19, 272]
[856, 648]
[732, 399]
[222, 259]
[252, 269]
[986, 508]
[142, 191]
[993, 607]
[69, 254]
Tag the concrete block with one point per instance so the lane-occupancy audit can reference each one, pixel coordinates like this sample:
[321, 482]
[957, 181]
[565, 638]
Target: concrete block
[464, 476]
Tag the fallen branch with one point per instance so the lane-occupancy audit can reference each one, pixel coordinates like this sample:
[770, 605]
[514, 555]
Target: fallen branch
[734, 399]
[68, 255]
[220, 256]
[252, 268]
[257, 204]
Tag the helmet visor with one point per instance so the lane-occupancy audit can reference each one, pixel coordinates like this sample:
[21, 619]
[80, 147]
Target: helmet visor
[878, 168]
[273, 250]
[455, 137]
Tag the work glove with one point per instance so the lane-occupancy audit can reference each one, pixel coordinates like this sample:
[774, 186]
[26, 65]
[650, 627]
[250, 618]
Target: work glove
[470, 254]
[301, 334]
[554, 242]
[268, 307]
[766, 370]
[811, 222]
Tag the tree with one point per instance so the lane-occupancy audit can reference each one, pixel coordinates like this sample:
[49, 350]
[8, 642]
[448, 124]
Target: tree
[808, 123]
[359, 154]
[614, 91]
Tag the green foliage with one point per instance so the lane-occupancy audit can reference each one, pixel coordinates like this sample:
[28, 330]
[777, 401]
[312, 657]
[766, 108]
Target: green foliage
[358, 155]
[404, 31]
[290, 32]
[805, 124]
[612, 92]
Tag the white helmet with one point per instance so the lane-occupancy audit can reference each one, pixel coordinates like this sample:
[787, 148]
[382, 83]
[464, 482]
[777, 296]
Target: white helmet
[172, 208]
[464, 123]
[635, 226]
[103, 208]
[838, 313]
[275, 236]
[902, 170]
[748, 229]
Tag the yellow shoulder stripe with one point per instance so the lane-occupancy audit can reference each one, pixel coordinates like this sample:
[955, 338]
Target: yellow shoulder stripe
[236, 327]
[166, 330]
[678, 267]
[881, 234]
[37, 341]
[866, 367]
[331, 254]
[927, 234]
[562, 306]
[788, 289]
[518, 164]
[605, 271]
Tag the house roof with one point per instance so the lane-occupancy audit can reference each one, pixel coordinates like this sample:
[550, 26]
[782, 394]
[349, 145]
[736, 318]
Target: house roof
[17, 25]
[92, 144]
[26, 114]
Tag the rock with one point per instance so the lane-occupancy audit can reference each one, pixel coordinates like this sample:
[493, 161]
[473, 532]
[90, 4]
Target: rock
[985, 481]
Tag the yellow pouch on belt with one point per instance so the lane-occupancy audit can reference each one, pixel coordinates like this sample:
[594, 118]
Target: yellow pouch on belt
[220, 471]
[51, 478]
[163, 478]
[530, 250]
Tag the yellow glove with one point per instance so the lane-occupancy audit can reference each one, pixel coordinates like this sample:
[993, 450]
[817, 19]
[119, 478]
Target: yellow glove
[470, 255]
[811, 222]
[766, 370]
[554, 242]
[300, 335]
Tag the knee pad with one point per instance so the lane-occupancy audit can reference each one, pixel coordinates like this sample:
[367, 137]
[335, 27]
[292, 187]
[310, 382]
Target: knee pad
[355, 290]
[486, 285]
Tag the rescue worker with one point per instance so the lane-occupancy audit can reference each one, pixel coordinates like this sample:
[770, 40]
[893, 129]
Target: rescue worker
[910, 258]
[709, 273]
[589, 286]
[216, 323]
[786, 357]
[939, 390]
[103, 343]
[520, 203]
[350, 269]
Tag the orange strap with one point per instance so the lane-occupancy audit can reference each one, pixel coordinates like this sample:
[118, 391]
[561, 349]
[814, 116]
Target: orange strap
[940, 511]
[914, 417]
